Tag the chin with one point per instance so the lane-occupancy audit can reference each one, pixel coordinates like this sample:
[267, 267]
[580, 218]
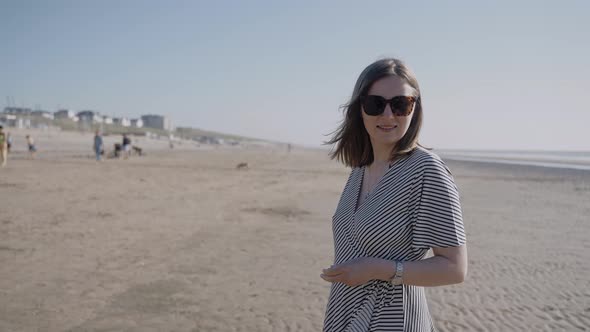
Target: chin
[391, 140]
[386, 142]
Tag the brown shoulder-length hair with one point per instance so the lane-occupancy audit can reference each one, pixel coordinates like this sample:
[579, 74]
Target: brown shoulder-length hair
[353, 144]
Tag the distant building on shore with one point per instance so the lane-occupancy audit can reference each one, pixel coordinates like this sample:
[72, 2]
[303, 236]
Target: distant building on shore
[137, 123]
[89, 117]
[123, 122]
[156, 122]
[11, 120]
[65, 114]
[17, 110]
[41, 113]
[25, 117]
[22, 117]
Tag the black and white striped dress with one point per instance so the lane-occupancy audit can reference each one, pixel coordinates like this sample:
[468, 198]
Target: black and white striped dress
[414, 207]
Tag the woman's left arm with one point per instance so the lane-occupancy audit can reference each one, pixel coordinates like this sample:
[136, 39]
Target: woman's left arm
[447, 266]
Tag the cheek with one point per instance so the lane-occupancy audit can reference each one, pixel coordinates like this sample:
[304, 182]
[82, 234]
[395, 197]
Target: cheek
[407, 122]
[370, 126]
[404, 125]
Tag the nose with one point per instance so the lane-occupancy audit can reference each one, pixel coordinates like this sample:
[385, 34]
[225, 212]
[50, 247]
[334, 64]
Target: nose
[388, 112]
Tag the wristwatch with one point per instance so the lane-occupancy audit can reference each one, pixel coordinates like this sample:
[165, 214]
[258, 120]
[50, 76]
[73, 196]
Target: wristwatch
[399, 273]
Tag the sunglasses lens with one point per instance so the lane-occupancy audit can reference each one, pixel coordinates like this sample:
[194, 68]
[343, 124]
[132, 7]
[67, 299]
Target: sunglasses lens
[402, 105]
[373, 105]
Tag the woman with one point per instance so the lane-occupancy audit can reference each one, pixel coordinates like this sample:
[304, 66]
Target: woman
[399, 202]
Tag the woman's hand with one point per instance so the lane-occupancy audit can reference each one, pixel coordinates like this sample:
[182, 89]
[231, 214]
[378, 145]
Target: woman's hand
[354, 272]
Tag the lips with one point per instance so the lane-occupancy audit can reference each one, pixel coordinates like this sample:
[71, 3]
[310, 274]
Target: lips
[387, 128]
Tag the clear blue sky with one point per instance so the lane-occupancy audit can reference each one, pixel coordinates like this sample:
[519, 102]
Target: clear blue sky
[494, 75]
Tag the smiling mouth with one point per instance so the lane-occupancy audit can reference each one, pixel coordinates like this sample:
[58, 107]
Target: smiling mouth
[387, 128]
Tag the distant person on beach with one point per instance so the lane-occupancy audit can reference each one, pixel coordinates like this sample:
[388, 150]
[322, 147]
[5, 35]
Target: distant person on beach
[126, 146]
[3, 147]
[31, 146]
[8, 142]
[98, 145]
[399, 202]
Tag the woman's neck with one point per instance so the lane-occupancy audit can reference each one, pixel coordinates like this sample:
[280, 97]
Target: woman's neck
[382, 154]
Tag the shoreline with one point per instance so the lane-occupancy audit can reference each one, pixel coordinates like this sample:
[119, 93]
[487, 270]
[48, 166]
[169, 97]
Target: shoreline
[522, 162]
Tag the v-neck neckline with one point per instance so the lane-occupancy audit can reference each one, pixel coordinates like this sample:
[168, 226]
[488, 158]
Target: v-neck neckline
[371, 193]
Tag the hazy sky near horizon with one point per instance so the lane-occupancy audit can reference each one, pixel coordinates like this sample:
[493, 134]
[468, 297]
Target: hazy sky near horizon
[493, 75]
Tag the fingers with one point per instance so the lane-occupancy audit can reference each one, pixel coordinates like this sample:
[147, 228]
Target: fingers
[341, 278]
[336, 278]
[334, 270]
[335, 273]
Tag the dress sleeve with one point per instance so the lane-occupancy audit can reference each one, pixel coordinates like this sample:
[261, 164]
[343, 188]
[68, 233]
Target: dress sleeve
[438, 220]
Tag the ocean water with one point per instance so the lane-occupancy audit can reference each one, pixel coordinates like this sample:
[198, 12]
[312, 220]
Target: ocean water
[555, 159]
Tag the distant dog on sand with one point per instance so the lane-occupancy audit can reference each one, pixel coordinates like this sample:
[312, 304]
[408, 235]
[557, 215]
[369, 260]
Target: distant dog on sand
[137, 150]
[242, 166]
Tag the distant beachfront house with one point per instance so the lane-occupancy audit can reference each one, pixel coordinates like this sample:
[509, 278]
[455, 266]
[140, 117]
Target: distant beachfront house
[8, 120]
[11, 120]
[124, 122]
[89, 117]
[17, 110]
[107, 119]
[156, 121]
[137, 123]
[65, 114]
[45, 114]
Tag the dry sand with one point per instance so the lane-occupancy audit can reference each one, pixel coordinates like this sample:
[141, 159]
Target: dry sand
[179, 240]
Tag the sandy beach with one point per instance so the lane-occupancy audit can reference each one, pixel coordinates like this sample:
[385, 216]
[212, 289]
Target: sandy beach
[181, 240]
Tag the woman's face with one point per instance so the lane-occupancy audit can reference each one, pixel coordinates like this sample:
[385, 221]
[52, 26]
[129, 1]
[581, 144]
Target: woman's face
[387, 129]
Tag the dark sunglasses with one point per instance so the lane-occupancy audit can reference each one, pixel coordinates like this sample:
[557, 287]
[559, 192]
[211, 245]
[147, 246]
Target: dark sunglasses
[400, 105]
